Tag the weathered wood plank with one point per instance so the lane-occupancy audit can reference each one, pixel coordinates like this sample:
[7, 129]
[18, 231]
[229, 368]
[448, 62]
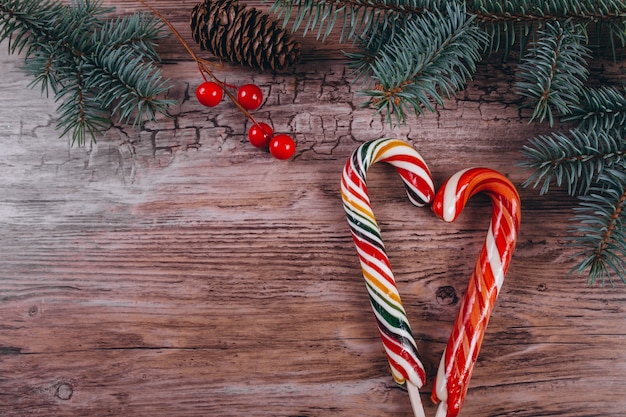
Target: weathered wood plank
[176, 270]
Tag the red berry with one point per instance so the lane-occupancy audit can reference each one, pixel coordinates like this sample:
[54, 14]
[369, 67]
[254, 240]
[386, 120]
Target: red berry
[282, 147]
[260, 134]
[209, 93]
[250, 96]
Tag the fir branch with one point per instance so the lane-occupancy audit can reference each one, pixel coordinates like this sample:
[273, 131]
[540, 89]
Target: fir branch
[126, 84]
[599, 108]
[139, 31]
[358, 17]
[505, 21]
[430, 59]
[22, 23]
[97, 68]
[600, 231]
[577, 11]
[575, 162]
[79, 114]
[41, 65]
[554, 71]
[510, 22]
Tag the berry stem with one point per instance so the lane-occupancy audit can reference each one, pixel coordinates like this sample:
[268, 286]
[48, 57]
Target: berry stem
[234, 87]
[202, 64]
[202, 73]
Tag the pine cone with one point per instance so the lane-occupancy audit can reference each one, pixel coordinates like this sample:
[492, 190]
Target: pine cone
[242, 35]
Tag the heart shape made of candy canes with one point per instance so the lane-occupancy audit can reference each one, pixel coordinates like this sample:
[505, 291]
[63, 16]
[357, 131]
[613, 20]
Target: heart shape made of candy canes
[461, 352]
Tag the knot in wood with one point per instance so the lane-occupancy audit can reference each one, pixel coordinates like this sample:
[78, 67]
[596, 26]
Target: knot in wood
[447, 295]
[64, 391]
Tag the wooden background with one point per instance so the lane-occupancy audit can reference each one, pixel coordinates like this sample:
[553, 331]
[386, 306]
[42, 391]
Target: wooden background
[178, 271]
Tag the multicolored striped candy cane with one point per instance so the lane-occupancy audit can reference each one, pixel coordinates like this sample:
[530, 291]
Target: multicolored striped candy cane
[391, 318]
[461, 352]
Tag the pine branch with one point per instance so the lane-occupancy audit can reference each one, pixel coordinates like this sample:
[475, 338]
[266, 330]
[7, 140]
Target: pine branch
[599, 108]
[357, 17]
[24, 23]
[600, 231]
[554, 71]
[139, 31]
[506, 22]
[41, 65]
[96, 68]
[552, 75]
[510, 22]
[430, 59]
[79, 114]
[585, 11]
[61, 42]
[125, 84]
[575, 162]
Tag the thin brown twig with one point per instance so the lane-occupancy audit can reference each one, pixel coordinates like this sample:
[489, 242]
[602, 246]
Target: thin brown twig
[612, 224]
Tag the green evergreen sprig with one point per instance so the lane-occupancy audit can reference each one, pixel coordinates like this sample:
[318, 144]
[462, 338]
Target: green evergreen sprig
[591, 164]
[599, 228]
[548, 33]
[576, 161]
[554, 72]
[447, 57]
[97, 68]
[517, 21]
[599, 108]
[359, 18]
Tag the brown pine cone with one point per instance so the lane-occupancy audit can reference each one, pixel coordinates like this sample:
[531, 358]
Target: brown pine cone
[243, 35]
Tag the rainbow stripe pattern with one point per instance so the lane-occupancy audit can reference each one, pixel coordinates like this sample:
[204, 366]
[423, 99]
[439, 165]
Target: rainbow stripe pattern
[393, 324]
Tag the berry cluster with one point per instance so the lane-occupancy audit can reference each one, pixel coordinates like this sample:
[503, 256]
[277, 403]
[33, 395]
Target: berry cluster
[249, 97]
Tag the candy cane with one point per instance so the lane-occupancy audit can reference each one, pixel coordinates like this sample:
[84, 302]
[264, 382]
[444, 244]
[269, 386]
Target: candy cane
[461, 352]
[393, 324]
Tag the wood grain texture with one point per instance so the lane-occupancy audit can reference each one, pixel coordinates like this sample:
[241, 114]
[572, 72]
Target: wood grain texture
[177, 271]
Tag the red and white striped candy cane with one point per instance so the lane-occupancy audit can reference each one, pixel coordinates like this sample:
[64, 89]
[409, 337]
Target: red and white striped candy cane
[393, 324]
[461, 352]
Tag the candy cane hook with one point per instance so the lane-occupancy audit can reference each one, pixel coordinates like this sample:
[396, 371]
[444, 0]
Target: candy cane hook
[393, 324]
[461, 352]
